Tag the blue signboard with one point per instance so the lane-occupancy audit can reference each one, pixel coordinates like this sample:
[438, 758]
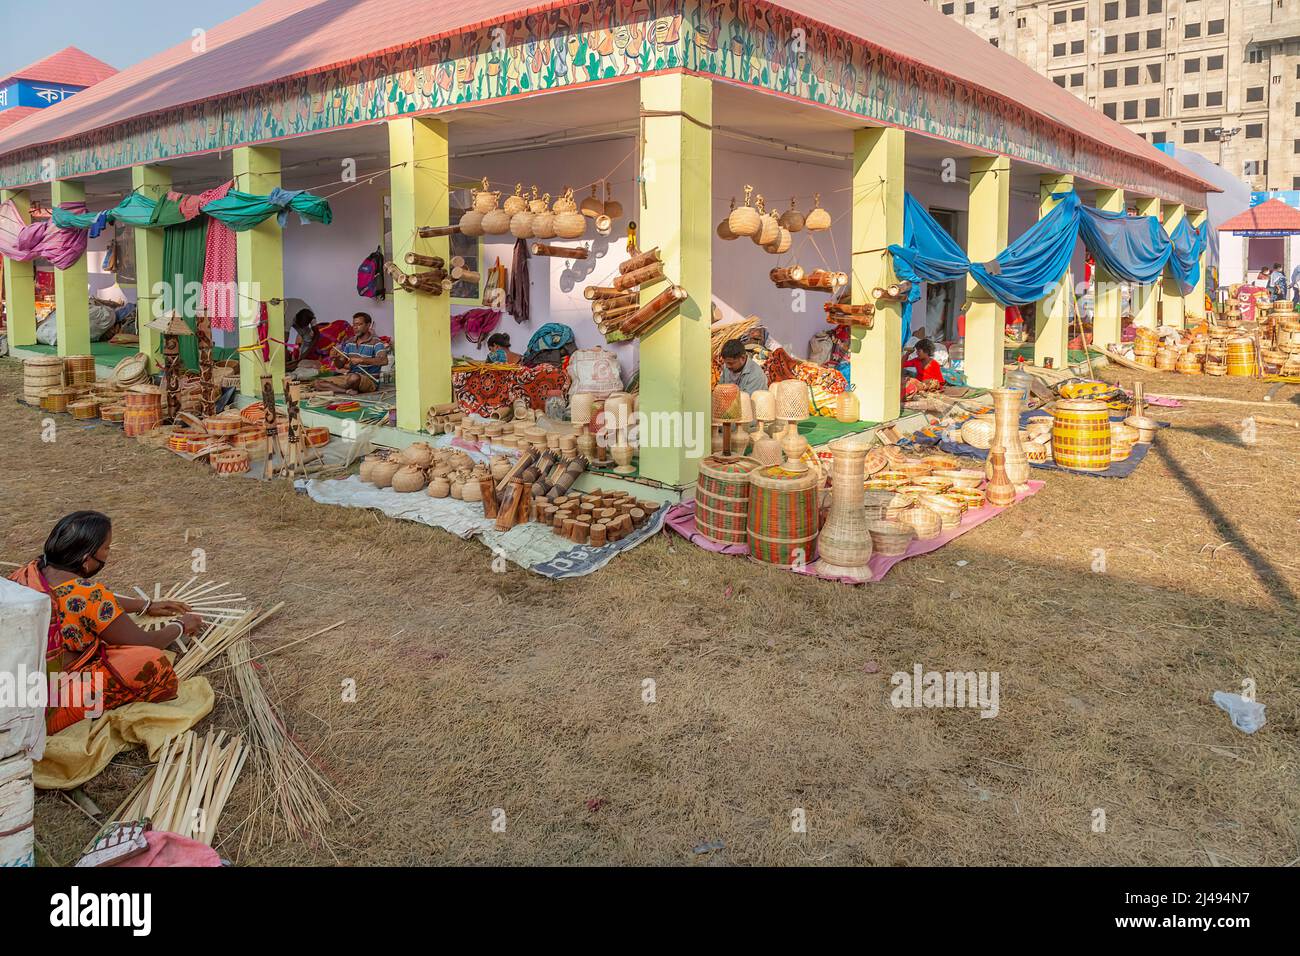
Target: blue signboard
[1289, 196]
[38, 95]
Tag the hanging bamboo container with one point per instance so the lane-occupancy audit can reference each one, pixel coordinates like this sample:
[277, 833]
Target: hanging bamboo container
[591, 206]
[613, 208]
[783, 513]
[471, 223]
[1081, 435]
[792, 218]
[569, 223]
[543, 218]
[722, 499]
[485, 200]
[521, 225]
[1241, 356]
[781, 244]
[744, 220]
[516, 203]
[496, 222]
[818, 220]
[768, 227]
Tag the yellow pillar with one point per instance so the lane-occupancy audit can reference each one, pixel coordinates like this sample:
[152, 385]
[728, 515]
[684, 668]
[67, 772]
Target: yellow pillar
[1171, 294]
[71, 285]
[1055, 311]
[1146, 297]
[1107, 319]
[675, 215]
[988, 213]
[421, 322]
[875, 359]
[1194, 301]
[259, 258]
[151, 182]
[20, 282]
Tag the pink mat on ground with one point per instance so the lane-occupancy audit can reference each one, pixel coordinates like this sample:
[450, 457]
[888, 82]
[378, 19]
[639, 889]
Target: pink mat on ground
[681, 519]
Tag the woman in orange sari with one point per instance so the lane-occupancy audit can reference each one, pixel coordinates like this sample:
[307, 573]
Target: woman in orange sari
[91, 632]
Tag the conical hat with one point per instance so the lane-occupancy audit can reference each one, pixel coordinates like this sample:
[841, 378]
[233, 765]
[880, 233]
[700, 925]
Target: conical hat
[170, 324]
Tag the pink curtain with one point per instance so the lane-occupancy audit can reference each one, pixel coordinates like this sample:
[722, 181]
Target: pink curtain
[220, 298]
[41, 240]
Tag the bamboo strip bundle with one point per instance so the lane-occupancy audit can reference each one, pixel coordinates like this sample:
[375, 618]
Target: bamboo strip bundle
[286, 775]
[217, 638]
[559, 252]
[630, 280]
[210, 601]
[188, 788]
[641, 260]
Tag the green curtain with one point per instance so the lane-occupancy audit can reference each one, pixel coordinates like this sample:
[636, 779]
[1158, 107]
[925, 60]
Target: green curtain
[184, 253]
[239, 211]
[134, 210]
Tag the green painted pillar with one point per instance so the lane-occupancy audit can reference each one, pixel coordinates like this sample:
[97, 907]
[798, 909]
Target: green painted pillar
[1146, 298]
[259, 258]
[876, 354]
[989, 210]
[421, 322]
[675, 215]
[71, 285]
[20, 282]
[1107, 321]
[153, 182]
[1055, 311]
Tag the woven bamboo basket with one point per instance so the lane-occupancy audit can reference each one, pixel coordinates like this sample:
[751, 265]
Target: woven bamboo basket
[132, 370]
[79, 369]
[179, 440]
[925, 524]
[876, 503]
[1081, 435]
[225, 425]
[1215, 368]
[844, 543]
[84, 408]
[382, 472]
[471, 223]
[1146, 427]
[961, 477]
[1166, 360]
[58, 399]
[972, 497]
[1241, 357]
[231, 462]
[933, 484]
[818, 219]
[317, 436]
[890, 537]
[1275, 357]
[791, 397]
[886, 480]
[769, 232]
[847, 408]
[1122, 439]
[949, 510]
[722, 499]
[783, 514]
[744, 220]
[407, 479]
[112, 413]
[913, 468]
[978, 432]
[41, 373]
[1188, 364]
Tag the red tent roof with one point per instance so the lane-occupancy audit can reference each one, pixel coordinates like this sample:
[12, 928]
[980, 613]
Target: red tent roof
[1272, 215]
[69, 66]
[14, 114]
[282, 38]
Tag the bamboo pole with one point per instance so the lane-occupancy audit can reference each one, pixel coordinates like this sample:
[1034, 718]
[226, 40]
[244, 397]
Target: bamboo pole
[593, 292]
[434, 232]
[641, 260]
[559, 252]
[652, 311]
[416, 259]
[629, 280]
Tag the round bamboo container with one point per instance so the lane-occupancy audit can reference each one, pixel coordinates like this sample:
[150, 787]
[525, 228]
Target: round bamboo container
[79, 369]
[179, 440]
[496, 222]
[890, 537]
[744, 221]
[818, 220]
[382, 472]
[961, 477]
[978, 431]
[1081, 435]
[769, 231]
[112, 413]
[231, 462]
[781, 244]
[84, 408]
[925, 524]
[57, 399]
[1166, 360]
[783, 515]
[544, 224]
[226, 425]
[1122, 439]
[1241, 357]
[408, 478]
[722, 499]
[1188, 364]
[40, 373]
[471, 223]
[521, 225]
[570, 225]
[847, 407]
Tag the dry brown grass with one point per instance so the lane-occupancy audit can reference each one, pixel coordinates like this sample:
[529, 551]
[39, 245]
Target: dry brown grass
[479, 690]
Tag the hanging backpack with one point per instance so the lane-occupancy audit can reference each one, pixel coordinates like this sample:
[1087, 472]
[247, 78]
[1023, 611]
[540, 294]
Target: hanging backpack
[370, 276]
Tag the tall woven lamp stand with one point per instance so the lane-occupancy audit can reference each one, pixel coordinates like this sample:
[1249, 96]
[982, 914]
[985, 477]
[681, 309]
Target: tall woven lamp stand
[844, 545]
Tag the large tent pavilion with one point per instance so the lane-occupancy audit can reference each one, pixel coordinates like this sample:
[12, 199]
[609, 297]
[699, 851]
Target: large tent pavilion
[679, 104]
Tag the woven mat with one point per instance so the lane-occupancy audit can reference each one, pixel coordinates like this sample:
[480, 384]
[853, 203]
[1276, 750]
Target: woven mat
[681, 519]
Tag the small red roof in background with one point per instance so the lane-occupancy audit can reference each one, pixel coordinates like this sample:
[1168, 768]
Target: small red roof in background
[70, 66]
[1271, 216]
[14, 114]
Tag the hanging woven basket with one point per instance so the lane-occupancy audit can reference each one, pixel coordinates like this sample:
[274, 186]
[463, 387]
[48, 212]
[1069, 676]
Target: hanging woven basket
[792, 219]
[471, 224]
[744, 220]
[521, 225]
[781, 244]
[485, 200]
[496, 222]
[544, 220]
[818, 219]
[516, 203]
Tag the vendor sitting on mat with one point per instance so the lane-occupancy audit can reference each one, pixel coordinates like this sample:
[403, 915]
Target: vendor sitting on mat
[304, 325]
[739, 369]
[499, 350]
[91, 631]
[365, 355]
[924, 367]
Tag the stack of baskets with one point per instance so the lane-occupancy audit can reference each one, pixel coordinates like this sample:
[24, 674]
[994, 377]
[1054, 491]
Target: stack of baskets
[79, 369]
[142, 409]
[40, 373]
[1144, 347]
[58, 399]
[722, 499]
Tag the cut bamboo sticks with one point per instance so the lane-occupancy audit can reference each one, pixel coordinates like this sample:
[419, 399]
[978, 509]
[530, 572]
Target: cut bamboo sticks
[217, 638]
[187, 789]
[210, 601]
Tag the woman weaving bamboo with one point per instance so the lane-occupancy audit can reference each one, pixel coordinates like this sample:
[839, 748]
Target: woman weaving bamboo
[91, 631]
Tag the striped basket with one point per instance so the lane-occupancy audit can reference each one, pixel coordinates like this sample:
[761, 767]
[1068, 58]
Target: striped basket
[84, 408]
[722, 499]
[783, 515]
[1081, 435]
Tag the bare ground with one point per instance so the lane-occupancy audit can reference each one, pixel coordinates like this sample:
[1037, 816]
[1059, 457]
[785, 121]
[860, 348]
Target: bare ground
[479, 690]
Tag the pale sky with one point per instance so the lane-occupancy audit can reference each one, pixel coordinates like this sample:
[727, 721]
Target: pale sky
[119, 32]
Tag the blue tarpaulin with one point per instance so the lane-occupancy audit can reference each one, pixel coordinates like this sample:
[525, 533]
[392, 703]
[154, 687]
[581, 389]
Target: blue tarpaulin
[1132, 248]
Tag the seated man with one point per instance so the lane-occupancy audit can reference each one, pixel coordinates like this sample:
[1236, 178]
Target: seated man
[924, 367]
[361, 359]
[739, 369]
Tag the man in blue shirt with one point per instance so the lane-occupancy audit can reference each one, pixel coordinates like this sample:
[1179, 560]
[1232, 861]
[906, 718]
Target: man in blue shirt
[363, 358]
[739, 369]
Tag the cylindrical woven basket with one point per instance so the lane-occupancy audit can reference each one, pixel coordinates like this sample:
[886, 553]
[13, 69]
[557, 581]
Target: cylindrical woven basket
[84, 408]
[112, 413]
[1241, 357]
[79, 369]
[783, 515]
[722, 499]
[1122, 439]
[1081, 435]
[41, 373]
[232, 462]
[890, 537]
